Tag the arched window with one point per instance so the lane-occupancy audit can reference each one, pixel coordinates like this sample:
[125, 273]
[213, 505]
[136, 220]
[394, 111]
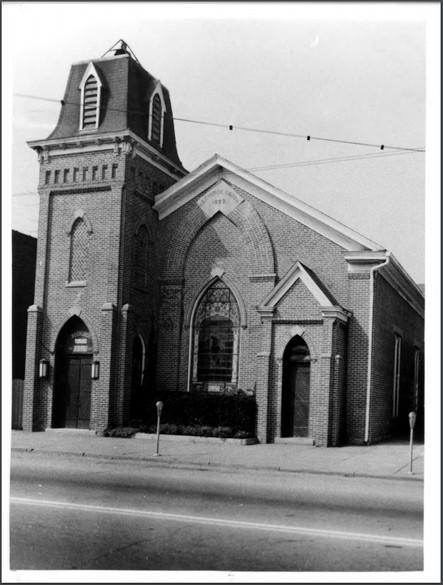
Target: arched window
[141, 257]
[216, 337]
[79, 254]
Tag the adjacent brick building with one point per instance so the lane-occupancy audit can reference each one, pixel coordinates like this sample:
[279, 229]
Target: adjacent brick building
[152, 278]
[24, 249]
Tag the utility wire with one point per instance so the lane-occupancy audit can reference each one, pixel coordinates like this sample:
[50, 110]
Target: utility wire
[330, 160]
[305, 163]
[242, 128]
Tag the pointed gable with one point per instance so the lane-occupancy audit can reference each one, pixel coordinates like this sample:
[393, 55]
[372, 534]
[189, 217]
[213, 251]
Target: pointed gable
[216, 168]
[299, 272]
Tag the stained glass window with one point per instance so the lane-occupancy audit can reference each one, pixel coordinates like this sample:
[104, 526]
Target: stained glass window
[216, 331]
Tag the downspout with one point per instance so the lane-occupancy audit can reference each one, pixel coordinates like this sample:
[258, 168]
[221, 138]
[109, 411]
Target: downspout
[371, 322]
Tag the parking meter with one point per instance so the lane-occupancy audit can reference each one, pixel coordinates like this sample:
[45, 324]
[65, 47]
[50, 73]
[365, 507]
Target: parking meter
[412, 419]
[159, 406]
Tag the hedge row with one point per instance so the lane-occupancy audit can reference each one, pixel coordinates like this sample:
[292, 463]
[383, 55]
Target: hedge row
[238, 412]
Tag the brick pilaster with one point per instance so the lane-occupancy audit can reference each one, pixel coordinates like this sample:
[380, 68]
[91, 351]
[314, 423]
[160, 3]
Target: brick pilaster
[123, 389]
[263, 368]
[102, 404]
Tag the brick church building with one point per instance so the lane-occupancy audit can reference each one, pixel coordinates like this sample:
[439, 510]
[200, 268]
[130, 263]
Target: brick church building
[152, 278]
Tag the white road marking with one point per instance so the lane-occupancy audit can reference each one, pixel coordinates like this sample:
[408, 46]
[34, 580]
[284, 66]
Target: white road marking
[375, 538]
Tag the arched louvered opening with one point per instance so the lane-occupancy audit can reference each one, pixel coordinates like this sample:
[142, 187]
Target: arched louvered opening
[90, 103]
[156, 120]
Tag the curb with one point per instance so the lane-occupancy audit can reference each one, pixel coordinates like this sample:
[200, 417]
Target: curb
[206, 466]
[194, 439]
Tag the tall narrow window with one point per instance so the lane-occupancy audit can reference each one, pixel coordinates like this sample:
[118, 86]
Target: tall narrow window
[90, 88]
[396, 382]
[216, 336]
[157, 108]
[156, 119]
[79, 258]
[90, 103]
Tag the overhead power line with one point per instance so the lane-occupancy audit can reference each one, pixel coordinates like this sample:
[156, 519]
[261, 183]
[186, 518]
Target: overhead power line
[329, 160]
[231, 127]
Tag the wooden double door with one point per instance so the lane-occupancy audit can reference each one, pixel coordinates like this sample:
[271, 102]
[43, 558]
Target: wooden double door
[73, 385]
[73, 401]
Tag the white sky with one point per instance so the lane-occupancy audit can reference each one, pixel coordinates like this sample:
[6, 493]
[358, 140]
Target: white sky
[352, 71]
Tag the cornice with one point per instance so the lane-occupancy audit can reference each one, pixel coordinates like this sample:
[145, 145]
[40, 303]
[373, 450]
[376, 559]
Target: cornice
[122, 143]
[393, 272]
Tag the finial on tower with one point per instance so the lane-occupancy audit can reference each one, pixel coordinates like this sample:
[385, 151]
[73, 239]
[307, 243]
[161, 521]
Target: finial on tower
[121, 48]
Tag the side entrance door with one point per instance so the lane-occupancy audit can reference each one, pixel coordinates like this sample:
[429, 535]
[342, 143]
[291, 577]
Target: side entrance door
[299, 392]
[296, 390]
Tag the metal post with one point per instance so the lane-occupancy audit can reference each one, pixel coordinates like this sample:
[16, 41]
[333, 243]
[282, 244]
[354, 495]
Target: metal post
[412, 417]
[159, 406]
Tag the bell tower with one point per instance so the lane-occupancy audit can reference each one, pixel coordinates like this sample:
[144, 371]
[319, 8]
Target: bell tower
[113, 149]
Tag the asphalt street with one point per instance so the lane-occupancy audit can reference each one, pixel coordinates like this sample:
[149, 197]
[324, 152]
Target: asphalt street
[71, 513]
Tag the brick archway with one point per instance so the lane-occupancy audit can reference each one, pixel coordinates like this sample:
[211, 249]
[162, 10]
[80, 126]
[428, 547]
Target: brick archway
[244, 217]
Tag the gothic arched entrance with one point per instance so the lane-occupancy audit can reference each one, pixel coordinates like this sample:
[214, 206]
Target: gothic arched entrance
[72, 393]
[296, 389]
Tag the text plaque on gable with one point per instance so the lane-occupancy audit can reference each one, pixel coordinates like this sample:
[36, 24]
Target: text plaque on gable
[220, 197]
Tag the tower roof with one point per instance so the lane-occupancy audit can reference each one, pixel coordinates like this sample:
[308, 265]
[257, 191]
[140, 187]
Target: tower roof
[126, 90]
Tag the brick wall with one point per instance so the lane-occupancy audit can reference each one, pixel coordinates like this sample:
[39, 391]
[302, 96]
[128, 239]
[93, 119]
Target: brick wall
[393, 314]
[24, 252]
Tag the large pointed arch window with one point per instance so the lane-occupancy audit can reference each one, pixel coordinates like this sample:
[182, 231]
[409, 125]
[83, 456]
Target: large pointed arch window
[216, 337]
[79, 253]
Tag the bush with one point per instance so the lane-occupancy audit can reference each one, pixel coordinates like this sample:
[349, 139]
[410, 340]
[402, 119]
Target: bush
[121, 432]
[200, 409]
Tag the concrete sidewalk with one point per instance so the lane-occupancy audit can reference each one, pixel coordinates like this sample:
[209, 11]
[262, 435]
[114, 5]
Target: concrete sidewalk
[388, 460]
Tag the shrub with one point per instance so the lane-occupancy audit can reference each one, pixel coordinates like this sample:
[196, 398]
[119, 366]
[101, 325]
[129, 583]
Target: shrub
[121, 432]
[237, 411]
